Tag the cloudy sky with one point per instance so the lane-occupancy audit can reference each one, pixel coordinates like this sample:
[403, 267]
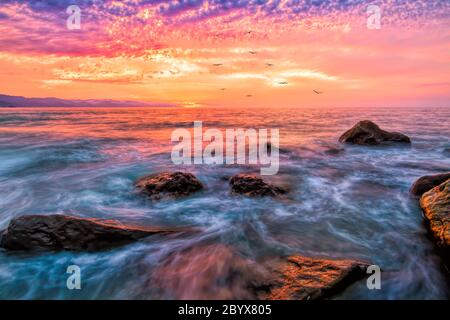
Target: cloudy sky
[245, 53]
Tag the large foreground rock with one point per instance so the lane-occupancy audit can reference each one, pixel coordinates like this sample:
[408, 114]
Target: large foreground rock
[218, 271]
[304, 278]
[168, 185]
[427, 183]
[368, 133]
[436, 208]
[60, 232]
[253, 186]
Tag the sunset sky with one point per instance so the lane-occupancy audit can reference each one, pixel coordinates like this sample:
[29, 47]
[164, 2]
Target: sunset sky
[245, 53]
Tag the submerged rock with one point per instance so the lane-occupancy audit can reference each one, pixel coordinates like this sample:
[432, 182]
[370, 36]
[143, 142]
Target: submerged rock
[253, 186]
[368, 133]
[426, 183]
[168, 185]
[332, 151]
[204, 271]
[61, 232]
[280, 150]
[436, 207]
[446, 152]
[304, 278]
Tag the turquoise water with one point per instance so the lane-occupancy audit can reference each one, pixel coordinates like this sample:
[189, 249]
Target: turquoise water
[353, 204]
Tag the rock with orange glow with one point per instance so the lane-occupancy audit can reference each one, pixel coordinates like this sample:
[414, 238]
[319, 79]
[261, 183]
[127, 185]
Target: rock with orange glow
[368, 133]
[168, 185]
[425, 183]
[61, 232]
[304, 278]
[436, 208]
[254, 186]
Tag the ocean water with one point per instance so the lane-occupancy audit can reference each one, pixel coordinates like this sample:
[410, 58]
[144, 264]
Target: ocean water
[354, 203]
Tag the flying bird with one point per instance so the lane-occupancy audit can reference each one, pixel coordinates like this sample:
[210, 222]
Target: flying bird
[283, 82]
[318, 92]
[269, 64]
[249, 95]
[252, 52]
[223, 89]
[217, 64]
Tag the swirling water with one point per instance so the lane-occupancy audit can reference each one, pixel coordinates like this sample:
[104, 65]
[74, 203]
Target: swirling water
[349, 204]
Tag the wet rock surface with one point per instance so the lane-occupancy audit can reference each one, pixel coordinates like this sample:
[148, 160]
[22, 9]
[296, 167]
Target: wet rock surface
[368, 133]
[426, 183]
[168, 185]
[61, 232]
[254, 186]
[436, 208]
[305, 278]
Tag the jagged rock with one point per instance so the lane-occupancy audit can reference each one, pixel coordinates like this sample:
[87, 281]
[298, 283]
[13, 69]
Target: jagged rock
[304, 278]
[168, 185]
[435, 204]
[252, 185]
[61, 232]
[368, 133]
[425, 183]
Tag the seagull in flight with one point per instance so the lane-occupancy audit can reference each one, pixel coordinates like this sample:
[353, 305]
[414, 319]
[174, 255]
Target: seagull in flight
[318, 92]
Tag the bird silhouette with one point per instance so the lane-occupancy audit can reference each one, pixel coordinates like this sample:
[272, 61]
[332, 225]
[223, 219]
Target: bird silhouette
[283, 82]
[223, 89]
[217, 64]
[269, 64]
[252, 52]
[249, 95]
[318, 92]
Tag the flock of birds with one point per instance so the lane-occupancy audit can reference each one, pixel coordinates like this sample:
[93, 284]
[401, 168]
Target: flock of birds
[268, 65]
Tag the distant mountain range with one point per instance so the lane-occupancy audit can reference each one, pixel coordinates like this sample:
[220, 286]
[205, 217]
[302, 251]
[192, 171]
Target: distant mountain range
[18, 101]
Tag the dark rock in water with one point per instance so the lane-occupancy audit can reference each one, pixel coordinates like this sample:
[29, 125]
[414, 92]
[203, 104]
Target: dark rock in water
[60, 232]
[280, 150]
[435, 204]
[368, 133]
[253, 186]
[426, 183]
[333, 151]
[168, 185]
[446, 152]
[304, 278]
